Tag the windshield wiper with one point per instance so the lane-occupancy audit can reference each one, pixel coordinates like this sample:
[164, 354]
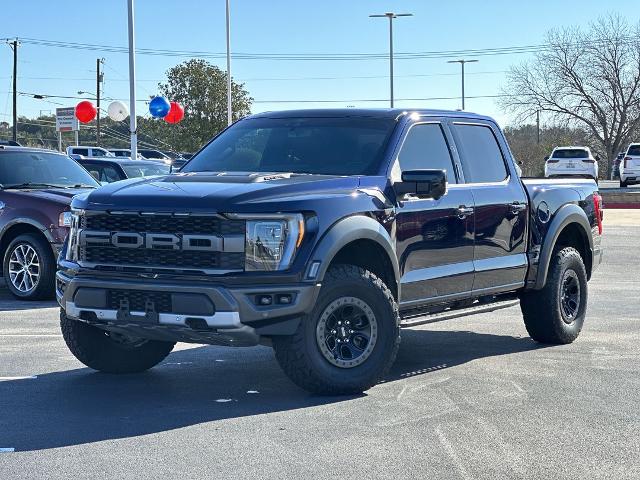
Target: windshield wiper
[33, 185]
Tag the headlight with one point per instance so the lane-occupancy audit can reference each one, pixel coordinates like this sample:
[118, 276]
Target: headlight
[64, 220]
[72, 238]
[271, 241]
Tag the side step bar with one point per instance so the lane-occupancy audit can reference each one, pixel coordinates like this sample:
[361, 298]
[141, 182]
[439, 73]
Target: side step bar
[418, 319]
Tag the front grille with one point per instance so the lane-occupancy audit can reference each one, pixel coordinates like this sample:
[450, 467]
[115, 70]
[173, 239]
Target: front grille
[159, 257]
[197, 225]
[137, 300]
[172, 259]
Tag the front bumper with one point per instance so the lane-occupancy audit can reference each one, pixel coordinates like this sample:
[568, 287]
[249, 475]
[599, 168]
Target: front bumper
[198, 313]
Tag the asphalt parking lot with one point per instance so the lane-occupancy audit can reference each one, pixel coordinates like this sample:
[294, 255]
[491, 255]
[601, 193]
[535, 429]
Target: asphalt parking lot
[469, 398]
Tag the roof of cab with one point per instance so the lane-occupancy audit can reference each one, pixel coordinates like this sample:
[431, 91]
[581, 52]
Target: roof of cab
[13, 148]
[392, 113]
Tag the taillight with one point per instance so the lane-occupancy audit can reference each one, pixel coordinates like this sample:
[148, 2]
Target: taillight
[597, 206]
[588, 160]
[626, 161]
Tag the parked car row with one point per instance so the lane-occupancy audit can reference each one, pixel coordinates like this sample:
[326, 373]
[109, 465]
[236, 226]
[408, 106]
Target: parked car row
[169, 158]
[580, 162]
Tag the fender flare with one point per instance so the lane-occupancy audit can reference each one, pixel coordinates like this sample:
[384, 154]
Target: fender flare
[27, 221]
[347, 230]
[566, 215]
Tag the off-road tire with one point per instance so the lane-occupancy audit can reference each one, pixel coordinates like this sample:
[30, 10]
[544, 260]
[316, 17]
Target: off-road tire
[300, 356]
[623, 184]
[45, 288]
[542, 309]
[97, 350]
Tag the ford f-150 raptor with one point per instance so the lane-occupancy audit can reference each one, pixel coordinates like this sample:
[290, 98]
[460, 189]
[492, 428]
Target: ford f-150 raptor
[323, 233]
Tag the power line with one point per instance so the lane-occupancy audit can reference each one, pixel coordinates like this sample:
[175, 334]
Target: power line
[508, 50]
[288, 79]
[289, 56]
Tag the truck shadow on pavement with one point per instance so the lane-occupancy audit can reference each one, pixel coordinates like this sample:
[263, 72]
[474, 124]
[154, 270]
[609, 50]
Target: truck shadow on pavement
[198, 385]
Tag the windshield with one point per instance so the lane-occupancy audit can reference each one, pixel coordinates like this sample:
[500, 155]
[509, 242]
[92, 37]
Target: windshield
[40, 169]
[133, 171]
[332, 146]
[571, 153]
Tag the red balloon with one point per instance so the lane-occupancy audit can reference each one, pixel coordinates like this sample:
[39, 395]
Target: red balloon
[176, 113]
[85, 111]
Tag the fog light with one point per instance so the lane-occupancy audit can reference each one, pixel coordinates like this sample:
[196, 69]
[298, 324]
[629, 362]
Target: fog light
[284, 299]
[264, 300]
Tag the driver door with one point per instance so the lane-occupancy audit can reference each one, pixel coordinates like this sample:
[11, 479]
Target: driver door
[435, 238]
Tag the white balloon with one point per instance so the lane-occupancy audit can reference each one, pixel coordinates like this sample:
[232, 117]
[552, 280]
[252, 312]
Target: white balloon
[117, 111]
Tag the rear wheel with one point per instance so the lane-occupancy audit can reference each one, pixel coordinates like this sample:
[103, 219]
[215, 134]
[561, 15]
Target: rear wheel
[555, 314]
[623, 184]
[29, 267]
[111, 352]
[349, 341]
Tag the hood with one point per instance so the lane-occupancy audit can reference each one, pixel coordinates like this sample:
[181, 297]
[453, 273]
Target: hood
[218, 192]
[61, 196]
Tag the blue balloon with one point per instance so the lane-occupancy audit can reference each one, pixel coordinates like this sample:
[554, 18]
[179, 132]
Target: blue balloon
[159, 107]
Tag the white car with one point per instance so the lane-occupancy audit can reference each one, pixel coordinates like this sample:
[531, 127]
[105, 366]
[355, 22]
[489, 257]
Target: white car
[124, 153]
[571, 162]
[89, 151]
[630, 166]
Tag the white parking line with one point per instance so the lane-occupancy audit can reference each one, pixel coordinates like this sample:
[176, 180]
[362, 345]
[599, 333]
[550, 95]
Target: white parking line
[9, 379]
[7, 450]
[30, 335]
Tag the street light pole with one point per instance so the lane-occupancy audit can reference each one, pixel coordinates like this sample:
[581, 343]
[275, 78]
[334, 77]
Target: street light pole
[14, 45]
[391, 16]
[462, 62]
[132, 83]
[229, 105]
[99, 61]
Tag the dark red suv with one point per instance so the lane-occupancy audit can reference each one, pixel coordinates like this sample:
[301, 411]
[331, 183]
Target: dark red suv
[36, 187]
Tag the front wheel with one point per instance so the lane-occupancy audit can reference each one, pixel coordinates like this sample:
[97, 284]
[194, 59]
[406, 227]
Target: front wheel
[29, 267]
[555, 314]
[349, 341]
[111, 352]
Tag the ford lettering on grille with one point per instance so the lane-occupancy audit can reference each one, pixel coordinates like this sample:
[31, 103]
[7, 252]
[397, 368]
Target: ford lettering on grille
[163, 241]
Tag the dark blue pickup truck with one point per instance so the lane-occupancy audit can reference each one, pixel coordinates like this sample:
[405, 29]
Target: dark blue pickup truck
[323, 233]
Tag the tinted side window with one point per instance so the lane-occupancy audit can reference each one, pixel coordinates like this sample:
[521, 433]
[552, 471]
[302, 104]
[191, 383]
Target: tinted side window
[425, 147]
[482, 160]
[81, 151]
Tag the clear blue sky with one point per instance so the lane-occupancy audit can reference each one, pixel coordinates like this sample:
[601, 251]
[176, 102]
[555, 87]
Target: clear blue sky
[284, 26]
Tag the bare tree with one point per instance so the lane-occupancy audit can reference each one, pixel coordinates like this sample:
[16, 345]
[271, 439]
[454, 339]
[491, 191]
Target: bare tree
[586, 78]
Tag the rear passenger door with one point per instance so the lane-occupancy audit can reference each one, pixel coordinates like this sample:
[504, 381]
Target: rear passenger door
[434, 238]
[501, 207]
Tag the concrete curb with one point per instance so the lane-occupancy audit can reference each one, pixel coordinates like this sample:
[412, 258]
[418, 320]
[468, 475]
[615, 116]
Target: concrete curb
[620, 198]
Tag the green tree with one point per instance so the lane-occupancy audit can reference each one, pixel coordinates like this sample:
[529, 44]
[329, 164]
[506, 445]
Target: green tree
[201, 88]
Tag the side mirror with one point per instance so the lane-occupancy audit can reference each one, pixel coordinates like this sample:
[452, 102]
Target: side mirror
[597, 158]
[546, 158]
[422, 183]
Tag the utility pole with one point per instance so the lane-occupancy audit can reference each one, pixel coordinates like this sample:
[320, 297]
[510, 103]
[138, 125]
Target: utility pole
[462, 62]
[391, 16]
[99, 77]
[132, 83]
[538, 125]
[229, 105]
[14, 45]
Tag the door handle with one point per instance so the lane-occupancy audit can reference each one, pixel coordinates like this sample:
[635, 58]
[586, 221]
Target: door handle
[517, 207]
[464, 211]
